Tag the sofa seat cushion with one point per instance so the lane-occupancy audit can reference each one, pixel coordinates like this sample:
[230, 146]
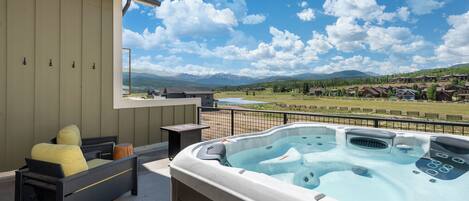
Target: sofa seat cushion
[69, 157]
[97, 162]
[69, 135]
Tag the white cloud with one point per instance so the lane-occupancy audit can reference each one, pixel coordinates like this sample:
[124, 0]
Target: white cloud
[306, 14]
[286, 54]
[338, 57]
[394, 39]
[303, 4]
[422, 7]
[346, 35]
[367, 10]
[417, 59]
[364, 64]
[194, 18]
[253, 19]
[147, 39]
[169, 66]
[455, 47]
[239, 7]
[317, 45]
[403, 13]
[240, 39]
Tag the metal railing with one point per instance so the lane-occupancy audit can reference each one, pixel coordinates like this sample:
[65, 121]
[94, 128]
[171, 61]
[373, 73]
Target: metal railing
[226, 122]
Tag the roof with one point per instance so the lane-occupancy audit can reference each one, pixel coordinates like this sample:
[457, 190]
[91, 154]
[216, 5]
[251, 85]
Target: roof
[181, 90]
[406, 91]
[198, 92]
[370, 90]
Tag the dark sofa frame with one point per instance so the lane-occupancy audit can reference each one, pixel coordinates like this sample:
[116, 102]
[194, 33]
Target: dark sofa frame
[105, 182]
[98, 147]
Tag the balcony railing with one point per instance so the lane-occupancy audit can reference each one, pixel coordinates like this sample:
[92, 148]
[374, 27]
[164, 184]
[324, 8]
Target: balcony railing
[227, 122]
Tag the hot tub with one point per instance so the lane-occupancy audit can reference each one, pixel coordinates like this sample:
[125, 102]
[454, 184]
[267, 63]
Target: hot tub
[310, 161]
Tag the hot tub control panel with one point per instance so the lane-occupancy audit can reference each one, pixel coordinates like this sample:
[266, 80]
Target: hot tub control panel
[445, 160]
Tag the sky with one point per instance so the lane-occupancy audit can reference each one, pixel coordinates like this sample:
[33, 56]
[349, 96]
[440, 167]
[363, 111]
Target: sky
[260, 38]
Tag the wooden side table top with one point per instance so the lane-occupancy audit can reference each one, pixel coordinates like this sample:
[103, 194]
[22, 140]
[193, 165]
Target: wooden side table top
[184, 127]
[123, 151]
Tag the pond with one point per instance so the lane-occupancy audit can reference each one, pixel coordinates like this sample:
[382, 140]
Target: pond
[237, 101]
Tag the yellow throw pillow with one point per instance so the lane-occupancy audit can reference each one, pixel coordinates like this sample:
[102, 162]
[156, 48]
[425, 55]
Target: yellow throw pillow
[69, 135]
[69, 157]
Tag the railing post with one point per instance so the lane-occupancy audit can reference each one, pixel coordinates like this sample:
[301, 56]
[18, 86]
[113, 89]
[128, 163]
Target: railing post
[376, 123]
[232, 122]
[285, 118]
[198, 115]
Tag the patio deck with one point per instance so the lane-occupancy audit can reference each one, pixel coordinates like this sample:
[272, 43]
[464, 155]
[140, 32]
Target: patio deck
[153, 183]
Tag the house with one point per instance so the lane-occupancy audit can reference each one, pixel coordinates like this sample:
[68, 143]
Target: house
[369, 92]
[406, 94]
[333, 92]
[382, 91]
[426, 78]
[461, 77]
[173, 93]
[403, 80]
[462, 94]
[153, 92]
[205, 96]
[352, 91]
[443, 94]
[446, 78]
[316, 91]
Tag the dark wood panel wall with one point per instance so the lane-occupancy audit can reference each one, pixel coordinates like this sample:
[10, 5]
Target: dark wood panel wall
[56, 69]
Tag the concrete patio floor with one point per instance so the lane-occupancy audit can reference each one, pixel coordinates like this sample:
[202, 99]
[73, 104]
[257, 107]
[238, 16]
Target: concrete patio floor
[153, 181]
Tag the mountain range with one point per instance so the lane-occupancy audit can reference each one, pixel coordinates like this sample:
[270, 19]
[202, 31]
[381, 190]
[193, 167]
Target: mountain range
[146, 80]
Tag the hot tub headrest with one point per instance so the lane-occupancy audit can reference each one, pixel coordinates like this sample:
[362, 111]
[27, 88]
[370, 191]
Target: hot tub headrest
[370, 133]
[213, 151]
[455, 145]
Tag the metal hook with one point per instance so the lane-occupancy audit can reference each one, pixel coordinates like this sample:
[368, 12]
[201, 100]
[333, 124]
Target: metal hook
[73, 64]
[50, 62]
[94, 66]
[24, 61]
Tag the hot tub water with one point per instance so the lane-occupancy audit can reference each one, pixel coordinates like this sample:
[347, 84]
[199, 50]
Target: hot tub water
[350, 172]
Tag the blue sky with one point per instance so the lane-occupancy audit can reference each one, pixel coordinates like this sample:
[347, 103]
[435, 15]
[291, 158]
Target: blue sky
[261, 38]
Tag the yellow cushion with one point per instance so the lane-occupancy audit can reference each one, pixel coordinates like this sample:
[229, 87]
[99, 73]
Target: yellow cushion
[69, 135]
[97, 162]
[69, 157]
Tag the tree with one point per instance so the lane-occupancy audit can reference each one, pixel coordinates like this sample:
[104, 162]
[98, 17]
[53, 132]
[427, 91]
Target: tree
[305, 88]
[275, 89]
[431, 92]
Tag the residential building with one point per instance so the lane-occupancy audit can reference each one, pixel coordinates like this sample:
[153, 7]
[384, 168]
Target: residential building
[206, 96]
[317, 91]
[406, 94]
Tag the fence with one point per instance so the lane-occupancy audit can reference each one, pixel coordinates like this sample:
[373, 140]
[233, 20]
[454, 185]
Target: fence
[226, 122]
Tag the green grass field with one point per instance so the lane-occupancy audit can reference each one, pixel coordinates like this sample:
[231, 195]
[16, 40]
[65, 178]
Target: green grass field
[297, 99]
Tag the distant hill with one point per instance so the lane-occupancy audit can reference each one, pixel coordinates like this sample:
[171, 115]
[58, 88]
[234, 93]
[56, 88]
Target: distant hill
[220, 79]
[151, 81]
[456, 69]
[347, 78]
[143, 81]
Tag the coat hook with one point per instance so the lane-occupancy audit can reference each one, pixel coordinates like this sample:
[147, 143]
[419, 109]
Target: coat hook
[73, 64]
[50, 62]
[24, 61]
[94, 66]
